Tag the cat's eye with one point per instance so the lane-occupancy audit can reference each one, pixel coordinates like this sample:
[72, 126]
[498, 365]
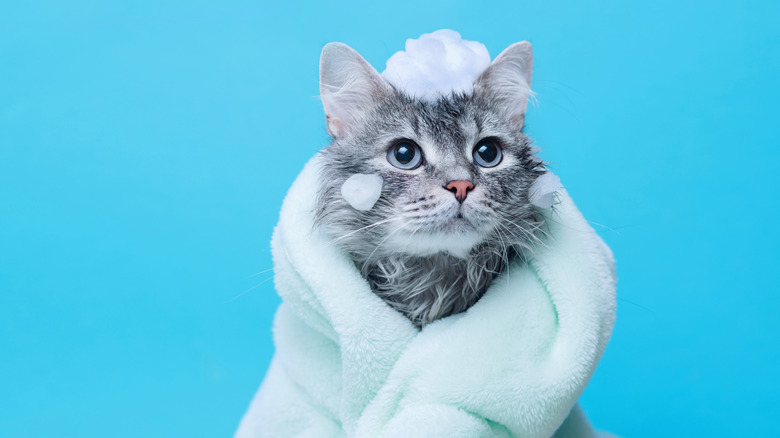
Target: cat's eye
[405, 154]
[487, 152]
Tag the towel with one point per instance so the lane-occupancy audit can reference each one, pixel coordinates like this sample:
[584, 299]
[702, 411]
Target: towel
[513, 365]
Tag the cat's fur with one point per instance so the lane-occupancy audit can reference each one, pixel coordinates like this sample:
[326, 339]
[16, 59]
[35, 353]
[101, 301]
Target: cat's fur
[422, 251]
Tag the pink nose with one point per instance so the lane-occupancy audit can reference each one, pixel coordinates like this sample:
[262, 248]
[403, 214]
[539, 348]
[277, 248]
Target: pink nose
[460, 188]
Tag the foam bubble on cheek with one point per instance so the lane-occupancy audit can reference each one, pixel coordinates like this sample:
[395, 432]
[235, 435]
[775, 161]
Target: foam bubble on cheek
[542, 192]
[436, 64]
[362, 190]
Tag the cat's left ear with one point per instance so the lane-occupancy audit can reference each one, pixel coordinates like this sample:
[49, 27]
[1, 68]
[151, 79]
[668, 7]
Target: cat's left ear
[508, 78]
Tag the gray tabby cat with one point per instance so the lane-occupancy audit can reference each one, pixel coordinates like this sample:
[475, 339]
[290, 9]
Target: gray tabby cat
[454, 209]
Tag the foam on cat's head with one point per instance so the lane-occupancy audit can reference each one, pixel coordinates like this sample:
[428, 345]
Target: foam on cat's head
[436, 64]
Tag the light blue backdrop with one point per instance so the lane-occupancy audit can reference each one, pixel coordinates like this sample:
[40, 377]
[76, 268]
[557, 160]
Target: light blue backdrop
[145, 149]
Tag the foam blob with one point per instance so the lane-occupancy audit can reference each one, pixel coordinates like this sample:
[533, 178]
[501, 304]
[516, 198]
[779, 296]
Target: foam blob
[362, 190]
[542, 192]
[437, 64]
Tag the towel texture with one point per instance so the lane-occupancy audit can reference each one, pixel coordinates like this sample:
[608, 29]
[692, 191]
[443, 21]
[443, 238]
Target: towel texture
[513, 365]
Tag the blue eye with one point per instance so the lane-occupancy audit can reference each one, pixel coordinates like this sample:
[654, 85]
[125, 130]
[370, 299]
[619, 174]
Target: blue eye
[487, 153]
[405, 154]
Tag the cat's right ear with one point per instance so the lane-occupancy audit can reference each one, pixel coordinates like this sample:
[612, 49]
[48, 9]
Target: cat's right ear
[508, 78]
[349, 86]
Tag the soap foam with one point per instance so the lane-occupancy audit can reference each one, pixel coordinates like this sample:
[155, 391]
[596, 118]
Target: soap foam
[542, 192]
[362, 190]
[437, 64]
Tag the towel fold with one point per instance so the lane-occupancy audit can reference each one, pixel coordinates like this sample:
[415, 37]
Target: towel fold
[513, 365]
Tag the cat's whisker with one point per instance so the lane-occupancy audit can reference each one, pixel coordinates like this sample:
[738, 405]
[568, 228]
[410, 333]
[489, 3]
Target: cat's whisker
[249, 290]
[258, 273]
[505, 246]
[383, 241]
[520, 242]
[530, 234]
[521, 237]
[384, 221]
[605, 227]
[551, 219]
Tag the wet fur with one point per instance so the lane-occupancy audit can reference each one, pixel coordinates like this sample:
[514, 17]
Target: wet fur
[409, 273]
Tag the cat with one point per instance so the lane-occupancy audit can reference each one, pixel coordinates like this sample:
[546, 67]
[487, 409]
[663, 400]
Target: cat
[455, 208]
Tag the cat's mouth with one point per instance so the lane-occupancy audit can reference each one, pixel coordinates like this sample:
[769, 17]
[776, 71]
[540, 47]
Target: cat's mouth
[458, 224]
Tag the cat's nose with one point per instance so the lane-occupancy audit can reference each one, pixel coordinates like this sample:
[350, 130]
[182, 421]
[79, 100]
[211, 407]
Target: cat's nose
[460, 188]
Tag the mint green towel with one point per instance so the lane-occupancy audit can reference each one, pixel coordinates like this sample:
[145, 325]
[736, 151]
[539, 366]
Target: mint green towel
[514, 365]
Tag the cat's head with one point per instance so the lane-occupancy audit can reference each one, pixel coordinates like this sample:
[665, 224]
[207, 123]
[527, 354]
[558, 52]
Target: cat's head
[456, 169]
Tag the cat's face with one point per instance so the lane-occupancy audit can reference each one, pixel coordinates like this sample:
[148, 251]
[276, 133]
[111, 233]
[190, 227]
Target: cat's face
[456, 170]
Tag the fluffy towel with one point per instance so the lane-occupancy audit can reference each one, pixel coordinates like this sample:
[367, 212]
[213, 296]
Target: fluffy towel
[348, 365]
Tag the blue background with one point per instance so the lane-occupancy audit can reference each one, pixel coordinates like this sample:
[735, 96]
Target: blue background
[145, 150]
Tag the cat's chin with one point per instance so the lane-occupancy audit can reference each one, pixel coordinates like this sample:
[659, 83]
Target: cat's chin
[457, 243]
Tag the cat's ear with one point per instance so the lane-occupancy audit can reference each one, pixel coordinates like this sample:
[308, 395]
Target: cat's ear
[349, 86]
[508, 78]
